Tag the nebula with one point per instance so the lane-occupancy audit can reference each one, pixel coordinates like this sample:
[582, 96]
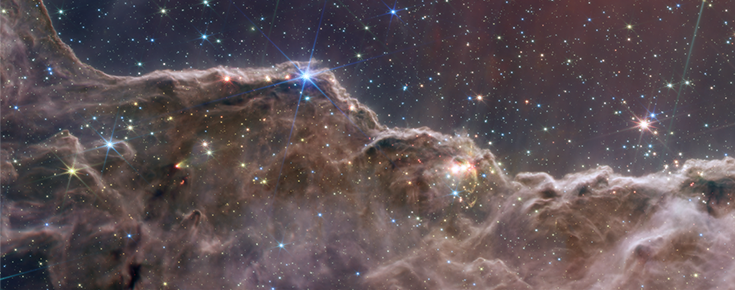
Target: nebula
[243, 178]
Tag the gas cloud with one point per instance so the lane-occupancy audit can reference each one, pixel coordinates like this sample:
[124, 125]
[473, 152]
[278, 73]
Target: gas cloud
[243, 178]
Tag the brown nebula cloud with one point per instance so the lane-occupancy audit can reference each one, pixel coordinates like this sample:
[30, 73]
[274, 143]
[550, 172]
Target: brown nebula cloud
[211, 179]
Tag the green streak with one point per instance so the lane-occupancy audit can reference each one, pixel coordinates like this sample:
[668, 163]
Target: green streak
[686, 68]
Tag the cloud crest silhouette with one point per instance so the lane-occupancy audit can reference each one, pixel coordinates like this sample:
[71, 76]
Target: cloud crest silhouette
[200, 187]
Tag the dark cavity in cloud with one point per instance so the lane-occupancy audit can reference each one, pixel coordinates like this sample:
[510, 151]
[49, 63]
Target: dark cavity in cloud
[200, 188]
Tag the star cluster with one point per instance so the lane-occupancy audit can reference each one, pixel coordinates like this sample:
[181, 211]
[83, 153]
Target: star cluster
[551, 86]
[366, 145]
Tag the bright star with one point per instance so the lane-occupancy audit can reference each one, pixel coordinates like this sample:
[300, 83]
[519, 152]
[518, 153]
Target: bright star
[460, 168]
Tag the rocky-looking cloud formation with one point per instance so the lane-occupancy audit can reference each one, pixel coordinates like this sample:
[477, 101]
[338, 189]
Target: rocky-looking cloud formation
[203, 180]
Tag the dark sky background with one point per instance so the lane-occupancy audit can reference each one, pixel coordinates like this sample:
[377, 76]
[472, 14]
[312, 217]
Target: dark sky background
[529, 145]
[554, 86]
